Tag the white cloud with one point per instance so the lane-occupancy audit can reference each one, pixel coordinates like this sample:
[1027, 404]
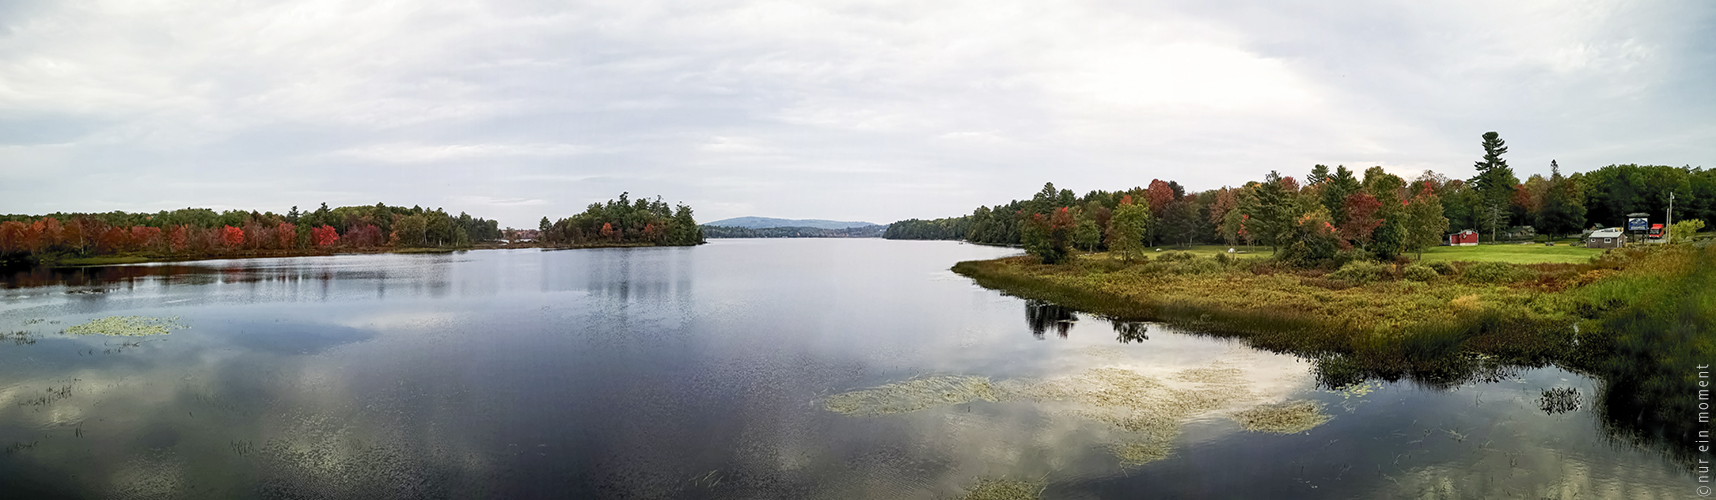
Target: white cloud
[748, 105]
[425, 153]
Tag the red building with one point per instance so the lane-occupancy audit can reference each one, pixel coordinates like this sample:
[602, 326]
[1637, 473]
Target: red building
[1463, 238]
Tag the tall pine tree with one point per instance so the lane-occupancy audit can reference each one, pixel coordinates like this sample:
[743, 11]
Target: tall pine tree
[1494, 183]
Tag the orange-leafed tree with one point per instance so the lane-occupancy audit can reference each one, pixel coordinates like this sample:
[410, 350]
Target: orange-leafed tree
[231, 237]
[12, 237]
[654, 233]
[609, 232]
[48, 233]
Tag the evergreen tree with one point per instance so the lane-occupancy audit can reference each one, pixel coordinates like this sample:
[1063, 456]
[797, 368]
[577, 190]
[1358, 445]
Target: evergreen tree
[1319, 175]
[1335, 191]
[1494, 183]
[1273, 212]
[1563, 209]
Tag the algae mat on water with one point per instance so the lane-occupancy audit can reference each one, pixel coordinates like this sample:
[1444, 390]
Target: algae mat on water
[127, 326]
[1147, 411]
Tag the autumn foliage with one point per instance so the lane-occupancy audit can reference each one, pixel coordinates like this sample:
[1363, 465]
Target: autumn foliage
[324, 236]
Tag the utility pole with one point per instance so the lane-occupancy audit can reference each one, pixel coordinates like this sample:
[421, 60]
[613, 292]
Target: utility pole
[1670, 219]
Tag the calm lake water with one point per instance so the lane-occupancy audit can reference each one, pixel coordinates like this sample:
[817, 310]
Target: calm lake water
[716, 372]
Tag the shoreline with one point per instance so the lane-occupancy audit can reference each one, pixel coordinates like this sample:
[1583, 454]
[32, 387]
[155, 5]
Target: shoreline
[116, 260]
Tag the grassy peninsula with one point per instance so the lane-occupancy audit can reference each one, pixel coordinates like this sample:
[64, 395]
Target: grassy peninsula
[1640, 318]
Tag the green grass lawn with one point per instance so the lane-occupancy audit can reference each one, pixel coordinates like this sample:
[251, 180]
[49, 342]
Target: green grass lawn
[1534, 253]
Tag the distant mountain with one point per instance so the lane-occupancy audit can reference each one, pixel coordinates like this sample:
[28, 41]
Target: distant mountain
[768, 222]
[713, 232]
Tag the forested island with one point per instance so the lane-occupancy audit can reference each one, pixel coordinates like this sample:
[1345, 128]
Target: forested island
[201, 233]
[1348, 283]
[624, 222]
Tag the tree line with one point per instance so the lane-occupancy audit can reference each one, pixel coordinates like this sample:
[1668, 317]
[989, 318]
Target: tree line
[1333, 211]
[625, 222]
[203, 232]
[196, 232]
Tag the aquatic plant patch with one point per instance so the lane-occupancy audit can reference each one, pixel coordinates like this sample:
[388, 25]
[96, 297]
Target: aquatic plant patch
[1147, 411]
[1287, 418]
[1004, 489]
[912, 395]
[128, 326]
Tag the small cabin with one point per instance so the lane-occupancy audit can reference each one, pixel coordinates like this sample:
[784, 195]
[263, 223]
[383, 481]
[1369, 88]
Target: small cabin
[1606, 238]
[1465, 238]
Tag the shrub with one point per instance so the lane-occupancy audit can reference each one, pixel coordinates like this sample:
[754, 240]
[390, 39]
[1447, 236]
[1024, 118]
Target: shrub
[1176, 256]
[1443, 268]
[1182, 266]
[1681, 232]
[1359, 271]
[1420, 272]
[1492, 272]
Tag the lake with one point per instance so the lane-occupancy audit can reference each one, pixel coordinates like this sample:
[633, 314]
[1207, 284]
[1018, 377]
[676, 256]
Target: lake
[807, 368]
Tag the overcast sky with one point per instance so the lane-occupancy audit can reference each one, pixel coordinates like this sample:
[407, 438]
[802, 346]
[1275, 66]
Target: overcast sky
[845, 110]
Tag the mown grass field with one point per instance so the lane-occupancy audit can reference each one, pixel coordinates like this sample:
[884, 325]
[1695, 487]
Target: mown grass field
[1534, 253]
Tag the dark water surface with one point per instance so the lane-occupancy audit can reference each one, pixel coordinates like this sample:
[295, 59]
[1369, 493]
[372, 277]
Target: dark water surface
[707, 373]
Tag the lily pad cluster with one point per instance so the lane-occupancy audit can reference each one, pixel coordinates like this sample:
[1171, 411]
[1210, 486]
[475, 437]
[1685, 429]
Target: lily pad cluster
[128, 326]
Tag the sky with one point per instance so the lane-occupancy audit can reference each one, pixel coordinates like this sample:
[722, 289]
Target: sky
[844, 110]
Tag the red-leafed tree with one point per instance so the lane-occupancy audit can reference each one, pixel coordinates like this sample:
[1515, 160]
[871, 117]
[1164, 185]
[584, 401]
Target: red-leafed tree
[363, 236]
[231, 237]
[146, 237]
[1160, 194]
[286, 236]
[324, 236]
[113, 240]
[178, 239]
[1361, 210]
[609, 232]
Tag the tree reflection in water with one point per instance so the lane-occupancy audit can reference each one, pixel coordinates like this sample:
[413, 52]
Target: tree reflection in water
[1130, 331]
[1042, 315]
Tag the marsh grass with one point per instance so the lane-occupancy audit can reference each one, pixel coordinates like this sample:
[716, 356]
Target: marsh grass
[1387, 328]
